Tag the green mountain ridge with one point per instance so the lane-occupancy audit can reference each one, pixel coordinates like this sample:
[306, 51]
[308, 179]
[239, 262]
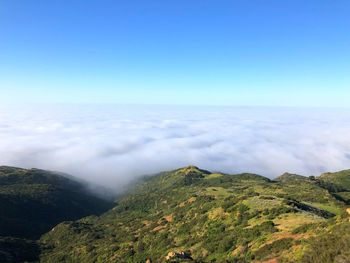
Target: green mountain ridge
[32, 201]
[194, 215]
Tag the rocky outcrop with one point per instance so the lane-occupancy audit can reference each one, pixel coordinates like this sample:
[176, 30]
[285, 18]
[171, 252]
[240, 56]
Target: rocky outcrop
[172, 255]
[310, 209]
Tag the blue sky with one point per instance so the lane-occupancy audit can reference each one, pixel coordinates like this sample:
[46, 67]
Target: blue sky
[285, 53]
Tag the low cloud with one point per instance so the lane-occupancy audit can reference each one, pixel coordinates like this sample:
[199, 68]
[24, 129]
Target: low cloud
[112, 145]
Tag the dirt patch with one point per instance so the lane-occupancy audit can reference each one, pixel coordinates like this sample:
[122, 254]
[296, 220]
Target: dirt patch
[158, 228]
[169, 218]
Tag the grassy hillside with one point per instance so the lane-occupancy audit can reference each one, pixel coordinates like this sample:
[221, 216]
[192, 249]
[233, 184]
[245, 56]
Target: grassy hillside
[338, 183]
[33, 201]
[194, 215]
[340, 179]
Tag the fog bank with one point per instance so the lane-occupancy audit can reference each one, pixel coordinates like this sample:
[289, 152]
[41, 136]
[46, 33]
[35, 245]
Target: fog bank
[112, 144]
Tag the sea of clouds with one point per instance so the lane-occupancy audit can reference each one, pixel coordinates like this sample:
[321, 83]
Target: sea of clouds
[112, 145]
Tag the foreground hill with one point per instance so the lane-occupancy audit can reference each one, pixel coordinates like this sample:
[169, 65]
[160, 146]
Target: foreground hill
[340, 183]
[194, 215]
[33, 201]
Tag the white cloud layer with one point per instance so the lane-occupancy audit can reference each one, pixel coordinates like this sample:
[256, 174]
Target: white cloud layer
[112, 145]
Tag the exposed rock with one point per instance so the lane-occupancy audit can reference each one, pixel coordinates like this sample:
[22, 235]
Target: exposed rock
[172, 255]
[310, 209]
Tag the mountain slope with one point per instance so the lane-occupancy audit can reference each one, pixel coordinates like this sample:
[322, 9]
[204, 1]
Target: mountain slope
[33, 201]
[193, 215]
[340, 179]
[18, 250]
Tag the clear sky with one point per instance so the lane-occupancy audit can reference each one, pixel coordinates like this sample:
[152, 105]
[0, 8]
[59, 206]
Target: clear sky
[262, 52]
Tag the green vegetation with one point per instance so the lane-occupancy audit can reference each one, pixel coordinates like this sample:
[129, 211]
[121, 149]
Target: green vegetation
[192, 215]
[331, 246]
[340, 179]
[18, 250]
[208, 217]
[32, 202]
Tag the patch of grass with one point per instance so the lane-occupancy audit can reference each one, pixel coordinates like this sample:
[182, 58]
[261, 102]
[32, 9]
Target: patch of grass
[291, 221]
[327, 207]
[217, 191]
[259, 203]
[214, 175]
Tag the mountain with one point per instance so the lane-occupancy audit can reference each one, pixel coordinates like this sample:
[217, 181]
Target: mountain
[185, 215]
[193, 215]
[32, 202]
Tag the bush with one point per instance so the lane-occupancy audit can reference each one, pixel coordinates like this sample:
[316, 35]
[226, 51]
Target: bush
[274, 248]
